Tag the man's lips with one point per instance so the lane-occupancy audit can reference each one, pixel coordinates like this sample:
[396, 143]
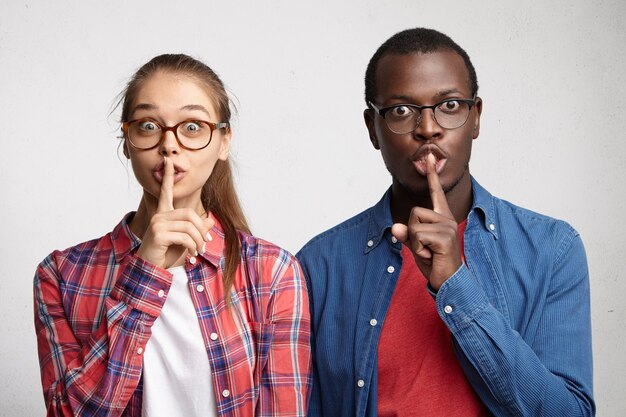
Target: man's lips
[420, 159]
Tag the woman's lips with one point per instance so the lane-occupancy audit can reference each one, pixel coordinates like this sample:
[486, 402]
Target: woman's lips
[179, 173]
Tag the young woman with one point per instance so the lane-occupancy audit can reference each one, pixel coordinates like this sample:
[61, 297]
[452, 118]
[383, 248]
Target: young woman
[178, 311]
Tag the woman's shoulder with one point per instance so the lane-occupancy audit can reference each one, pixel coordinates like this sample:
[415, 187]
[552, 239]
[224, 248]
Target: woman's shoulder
[268, 257]
[91, 253]
[254, 246]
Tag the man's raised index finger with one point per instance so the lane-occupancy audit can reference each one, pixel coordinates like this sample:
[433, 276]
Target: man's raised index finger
[437, 195]
[166, 198]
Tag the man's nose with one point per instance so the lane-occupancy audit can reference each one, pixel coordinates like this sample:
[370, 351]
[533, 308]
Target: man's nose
[428, 128]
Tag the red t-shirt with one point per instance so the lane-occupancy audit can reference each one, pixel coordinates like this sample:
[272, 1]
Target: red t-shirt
[418, 373]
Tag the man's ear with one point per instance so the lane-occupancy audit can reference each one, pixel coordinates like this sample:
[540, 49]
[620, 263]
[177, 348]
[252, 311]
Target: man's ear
[225, 145]
[476, 119]
[368, 116]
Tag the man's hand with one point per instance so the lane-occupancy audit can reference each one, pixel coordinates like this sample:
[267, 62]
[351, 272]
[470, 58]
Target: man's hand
[171, 231]
[432, 235]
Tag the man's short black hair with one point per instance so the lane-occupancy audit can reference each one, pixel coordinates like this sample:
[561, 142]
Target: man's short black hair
[418, 40]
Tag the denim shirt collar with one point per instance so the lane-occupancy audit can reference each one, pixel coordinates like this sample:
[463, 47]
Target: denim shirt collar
[381, 220]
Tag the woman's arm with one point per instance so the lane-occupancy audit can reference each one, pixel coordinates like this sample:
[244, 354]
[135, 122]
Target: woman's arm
[286, 377]
[97, 376]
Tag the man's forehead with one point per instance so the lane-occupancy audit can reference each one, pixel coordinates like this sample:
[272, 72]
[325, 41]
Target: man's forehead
[440, 73]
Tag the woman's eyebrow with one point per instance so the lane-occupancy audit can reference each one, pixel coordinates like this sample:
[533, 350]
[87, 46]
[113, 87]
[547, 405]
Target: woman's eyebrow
[143, 106]
[196, 107]
[148, 106]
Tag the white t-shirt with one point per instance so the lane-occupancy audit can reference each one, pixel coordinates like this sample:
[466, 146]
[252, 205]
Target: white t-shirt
[176, 370]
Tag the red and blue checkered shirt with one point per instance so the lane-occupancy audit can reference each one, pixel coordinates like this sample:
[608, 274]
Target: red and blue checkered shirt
[95, 304]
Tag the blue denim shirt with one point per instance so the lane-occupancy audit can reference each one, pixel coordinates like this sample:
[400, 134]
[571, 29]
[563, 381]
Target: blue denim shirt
[518, 310]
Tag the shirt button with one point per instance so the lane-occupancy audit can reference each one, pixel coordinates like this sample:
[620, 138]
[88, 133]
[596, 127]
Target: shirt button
[199, 287]
[139, 351]
[213, 336]
[447, 309]
[390, 269]
[393, 239]
[370, 243]
[161, 293]
[373, 322]
[360, 383]
[492, 226]
[192, 260]
[225, 393]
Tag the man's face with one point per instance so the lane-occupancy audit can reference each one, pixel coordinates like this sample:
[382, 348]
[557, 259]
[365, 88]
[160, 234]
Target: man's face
[423, 79]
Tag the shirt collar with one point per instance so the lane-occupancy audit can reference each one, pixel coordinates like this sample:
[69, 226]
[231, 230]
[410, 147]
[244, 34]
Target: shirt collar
[215, 248]
[484, 203]
[124, 241]
[381, 219]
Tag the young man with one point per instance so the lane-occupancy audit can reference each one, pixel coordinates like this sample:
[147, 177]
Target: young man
[443, 300]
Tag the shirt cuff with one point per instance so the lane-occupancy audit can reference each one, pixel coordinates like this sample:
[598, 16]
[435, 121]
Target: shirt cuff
[460, 299]
[142, 286]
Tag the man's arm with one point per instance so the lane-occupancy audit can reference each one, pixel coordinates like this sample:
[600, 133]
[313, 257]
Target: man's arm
[550, 377]
[553, 377]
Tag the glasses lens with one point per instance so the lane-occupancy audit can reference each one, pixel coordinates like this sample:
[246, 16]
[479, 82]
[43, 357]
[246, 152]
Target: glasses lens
[144, 134]
[452, 114]
[194, 134]
[402, 119]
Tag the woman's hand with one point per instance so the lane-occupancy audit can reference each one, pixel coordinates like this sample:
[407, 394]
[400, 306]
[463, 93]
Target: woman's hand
[171, 232]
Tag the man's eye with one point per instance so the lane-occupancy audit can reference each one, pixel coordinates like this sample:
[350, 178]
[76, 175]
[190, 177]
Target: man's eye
[401, 111]
[450, 106]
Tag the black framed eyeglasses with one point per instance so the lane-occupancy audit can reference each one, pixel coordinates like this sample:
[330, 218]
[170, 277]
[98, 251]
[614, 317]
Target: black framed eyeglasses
[451, 113]
[147, 133]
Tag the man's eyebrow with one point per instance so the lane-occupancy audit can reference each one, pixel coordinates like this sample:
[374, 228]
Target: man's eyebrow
[447, 92]
[440, 95]
[400, 97]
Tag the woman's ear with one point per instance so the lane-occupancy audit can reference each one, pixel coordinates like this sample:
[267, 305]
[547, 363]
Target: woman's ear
[225, 145]
[125, 149]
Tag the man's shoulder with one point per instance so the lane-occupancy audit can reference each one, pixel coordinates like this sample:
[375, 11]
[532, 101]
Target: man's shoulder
[519, 223]
[343, 233]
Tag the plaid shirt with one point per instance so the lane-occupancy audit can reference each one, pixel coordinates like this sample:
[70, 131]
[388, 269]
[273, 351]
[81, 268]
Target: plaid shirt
[95, 304]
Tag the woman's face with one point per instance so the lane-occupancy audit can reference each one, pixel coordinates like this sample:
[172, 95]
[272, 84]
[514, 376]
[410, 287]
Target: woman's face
[168, 99]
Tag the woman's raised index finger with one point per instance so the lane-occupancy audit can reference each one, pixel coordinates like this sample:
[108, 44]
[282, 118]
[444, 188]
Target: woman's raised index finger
[166, 197]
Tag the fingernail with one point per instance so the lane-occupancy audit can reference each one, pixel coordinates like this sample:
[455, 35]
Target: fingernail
[196, 253]
[209, 237]
[203, 248]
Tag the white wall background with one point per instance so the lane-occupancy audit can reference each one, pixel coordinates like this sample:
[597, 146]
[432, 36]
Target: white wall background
[551, 74]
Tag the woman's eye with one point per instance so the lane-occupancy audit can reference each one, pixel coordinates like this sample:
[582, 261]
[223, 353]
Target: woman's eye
[401, 111]
[148, 126]
[192, 127]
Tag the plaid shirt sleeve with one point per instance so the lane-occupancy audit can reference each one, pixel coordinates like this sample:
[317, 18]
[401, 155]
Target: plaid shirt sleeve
[93, 368]
[285, 380]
